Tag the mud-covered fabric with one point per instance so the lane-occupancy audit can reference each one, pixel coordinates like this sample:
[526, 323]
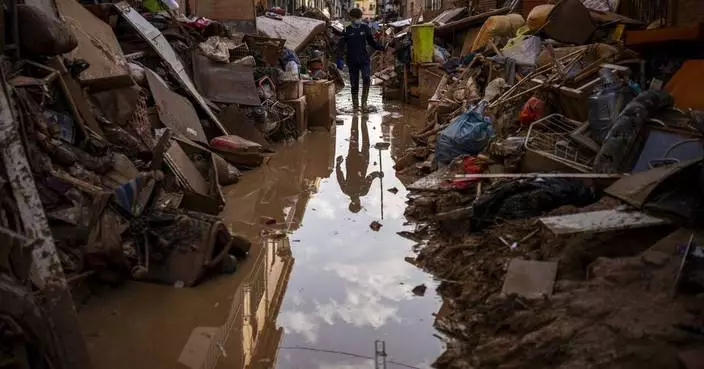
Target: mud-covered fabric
[528, 198]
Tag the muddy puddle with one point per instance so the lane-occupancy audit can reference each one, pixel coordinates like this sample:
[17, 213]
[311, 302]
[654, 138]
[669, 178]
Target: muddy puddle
[320, 286]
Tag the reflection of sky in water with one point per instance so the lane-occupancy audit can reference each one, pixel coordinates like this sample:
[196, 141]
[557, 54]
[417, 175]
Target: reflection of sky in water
[351, 285]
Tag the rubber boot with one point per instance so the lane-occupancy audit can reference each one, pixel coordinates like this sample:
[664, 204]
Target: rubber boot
[365, 96]
[355, 102]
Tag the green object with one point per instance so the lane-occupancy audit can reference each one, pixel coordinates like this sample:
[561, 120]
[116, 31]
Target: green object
[154, 6]
[422, 36]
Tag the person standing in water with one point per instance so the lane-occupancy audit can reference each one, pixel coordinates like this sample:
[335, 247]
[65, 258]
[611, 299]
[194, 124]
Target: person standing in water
[353, 45]
[357, 183]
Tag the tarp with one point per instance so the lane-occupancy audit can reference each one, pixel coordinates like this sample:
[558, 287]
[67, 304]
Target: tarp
[297, 31]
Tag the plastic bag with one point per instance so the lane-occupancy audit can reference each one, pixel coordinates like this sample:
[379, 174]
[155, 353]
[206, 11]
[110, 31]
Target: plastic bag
[494, 89]
[523, 49]
[469, 133]
[440, 55]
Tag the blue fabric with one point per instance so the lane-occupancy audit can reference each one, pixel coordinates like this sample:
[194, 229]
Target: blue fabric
[355, 70]
[354, 41]
[469, 133]
[340, 63]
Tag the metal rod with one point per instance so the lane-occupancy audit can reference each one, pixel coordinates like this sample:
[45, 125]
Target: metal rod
[680, 271]
[538, 175]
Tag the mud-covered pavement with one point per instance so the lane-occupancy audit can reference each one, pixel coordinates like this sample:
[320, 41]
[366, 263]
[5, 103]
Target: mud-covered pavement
[320, 286]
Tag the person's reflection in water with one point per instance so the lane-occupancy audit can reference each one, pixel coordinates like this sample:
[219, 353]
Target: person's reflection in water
[357, 183]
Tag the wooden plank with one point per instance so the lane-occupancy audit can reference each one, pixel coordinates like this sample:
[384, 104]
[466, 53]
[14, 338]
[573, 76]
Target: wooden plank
[600, 221]
[530, 278]
[97, 43]
[174, 110]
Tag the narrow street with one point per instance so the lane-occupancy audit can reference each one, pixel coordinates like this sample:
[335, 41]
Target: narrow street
[319, 288]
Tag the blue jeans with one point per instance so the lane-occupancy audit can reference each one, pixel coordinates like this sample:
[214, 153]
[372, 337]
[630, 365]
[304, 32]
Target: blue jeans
[366, 71]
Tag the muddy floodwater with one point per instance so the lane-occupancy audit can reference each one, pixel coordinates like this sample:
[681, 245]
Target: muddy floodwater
[320, 286]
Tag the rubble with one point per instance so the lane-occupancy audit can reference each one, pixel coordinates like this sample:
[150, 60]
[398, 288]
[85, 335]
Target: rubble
[120, 126]
[549, 183]
[556, 184]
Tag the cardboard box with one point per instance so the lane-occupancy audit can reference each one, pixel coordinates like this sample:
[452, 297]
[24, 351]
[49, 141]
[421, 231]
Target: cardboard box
[289, 90]
[320, 97]
[301, 118]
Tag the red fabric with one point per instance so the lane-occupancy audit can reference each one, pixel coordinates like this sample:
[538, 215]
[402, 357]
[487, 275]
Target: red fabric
[471, 165]
[533, 110]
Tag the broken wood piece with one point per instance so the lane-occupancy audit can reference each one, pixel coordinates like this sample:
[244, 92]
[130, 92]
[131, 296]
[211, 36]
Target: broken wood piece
[529, 278]
[175, 111]
[600, 222]
[464, 212]
[184, 168]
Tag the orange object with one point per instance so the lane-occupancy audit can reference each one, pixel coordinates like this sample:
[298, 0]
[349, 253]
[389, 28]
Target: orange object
[686, 85]
[692, 32]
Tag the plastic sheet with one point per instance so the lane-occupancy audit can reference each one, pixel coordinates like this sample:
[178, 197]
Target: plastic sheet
[523, 49]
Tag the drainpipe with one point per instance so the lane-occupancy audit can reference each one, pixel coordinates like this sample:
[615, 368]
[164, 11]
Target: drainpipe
[46, 272]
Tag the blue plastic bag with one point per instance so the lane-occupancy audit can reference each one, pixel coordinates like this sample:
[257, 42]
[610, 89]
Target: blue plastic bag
[468, 134]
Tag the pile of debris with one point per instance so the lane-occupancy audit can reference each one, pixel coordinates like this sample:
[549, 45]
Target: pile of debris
[559, 182]
[132, 120]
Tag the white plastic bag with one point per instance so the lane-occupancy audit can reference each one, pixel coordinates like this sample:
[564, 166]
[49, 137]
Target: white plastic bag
[523, 49]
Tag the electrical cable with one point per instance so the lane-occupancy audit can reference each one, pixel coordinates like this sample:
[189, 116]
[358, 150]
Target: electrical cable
[306, 348]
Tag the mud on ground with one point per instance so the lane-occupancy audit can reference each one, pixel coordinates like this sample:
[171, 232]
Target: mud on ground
[612, 306]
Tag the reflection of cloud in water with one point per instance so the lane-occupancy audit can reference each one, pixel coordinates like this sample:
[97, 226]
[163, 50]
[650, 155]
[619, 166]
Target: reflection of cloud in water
[295, 297]
[372, 296]
[381, 279]
[323, 207]
[371, 299]
[299, 322]
[359, 310]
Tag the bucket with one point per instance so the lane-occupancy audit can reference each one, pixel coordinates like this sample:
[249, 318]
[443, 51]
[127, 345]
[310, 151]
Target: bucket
[422, 37]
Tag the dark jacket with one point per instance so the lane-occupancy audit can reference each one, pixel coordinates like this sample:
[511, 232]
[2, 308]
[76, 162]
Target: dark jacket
[355, 39]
